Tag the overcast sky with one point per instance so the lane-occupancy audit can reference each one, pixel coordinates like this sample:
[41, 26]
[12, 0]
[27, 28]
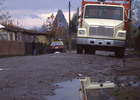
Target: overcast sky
[30, 13]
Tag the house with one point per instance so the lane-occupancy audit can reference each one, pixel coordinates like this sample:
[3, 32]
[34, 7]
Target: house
[41, 37]
[13, 33]
[19, 41]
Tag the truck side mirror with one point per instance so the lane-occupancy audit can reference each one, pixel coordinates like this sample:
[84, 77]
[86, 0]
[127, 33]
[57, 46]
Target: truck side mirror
[78, 15]
[129, 15]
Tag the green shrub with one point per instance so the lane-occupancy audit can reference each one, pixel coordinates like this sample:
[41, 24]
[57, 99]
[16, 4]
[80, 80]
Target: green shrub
[136, 39]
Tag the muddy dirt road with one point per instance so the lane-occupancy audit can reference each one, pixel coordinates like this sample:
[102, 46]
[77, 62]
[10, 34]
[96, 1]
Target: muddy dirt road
[32, 77]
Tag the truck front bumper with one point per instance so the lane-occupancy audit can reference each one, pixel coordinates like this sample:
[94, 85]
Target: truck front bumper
[101, 42]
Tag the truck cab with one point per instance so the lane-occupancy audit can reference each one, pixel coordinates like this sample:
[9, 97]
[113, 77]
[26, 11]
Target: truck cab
[103, 27]
[96, 91]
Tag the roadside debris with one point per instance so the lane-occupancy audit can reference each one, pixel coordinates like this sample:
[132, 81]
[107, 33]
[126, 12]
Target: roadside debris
[1, 69]
[56, 52]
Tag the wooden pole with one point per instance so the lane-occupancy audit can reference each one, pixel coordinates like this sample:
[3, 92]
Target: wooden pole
[69, 29]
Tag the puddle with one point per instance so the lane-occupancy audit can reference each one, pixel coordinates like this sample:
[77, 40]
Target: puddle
[129, 81]
[69, 91]
[1, 69]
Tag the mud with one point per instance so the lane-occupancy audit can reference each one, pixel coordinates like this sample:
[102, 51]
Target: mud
[33, 77]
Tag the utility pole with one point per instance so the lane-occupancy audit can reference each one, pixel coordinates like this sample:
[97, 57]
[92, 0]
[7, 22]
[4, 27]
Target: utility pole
[69, 28]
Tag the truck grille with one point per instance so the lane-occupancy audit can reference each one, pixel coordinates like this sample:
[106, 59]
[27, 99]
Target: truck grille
[101, 31]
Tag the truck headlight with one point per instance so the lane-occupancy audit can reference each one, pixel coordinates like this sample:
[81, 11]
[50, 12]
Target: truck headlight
[82, 32]
[121, 35]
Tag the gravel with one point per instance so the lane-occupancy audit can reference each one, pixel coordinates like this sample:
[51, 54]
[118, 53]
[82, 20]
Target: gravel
[32, 77]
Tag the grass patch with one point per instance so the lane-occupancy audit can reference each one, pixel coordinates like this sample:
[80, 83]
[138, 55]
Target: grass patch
[136, 52]
[10, 56]
[127, 94]
[116, 92]
[6, 56]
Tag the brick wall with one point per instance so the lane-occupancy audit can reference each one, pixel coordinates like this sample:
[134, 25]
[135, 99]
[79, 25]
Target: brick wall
[11, 48]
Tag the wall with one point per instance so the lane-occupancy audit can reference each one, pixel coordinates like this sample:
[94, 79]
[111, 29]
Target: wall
[42, 39]
[46, 39]
[9, 48]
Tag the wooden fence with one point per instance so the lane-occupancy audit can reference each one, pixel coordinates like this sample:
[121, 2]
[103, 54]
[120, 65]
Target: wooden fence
[11, 48]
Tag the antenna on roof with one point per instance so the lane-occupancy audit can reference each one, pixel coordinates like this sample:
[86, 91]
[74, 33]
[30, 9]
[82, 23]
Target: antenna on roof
[101, 1]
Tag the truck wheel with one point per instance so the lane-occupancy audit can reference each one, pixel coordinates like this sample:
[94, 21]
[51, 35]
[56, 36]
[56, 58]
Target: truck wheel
[120, 53]
[79, 49]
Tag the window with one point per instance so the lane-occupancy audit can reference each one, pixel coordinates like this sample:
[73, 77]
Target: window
[11, 37]
[104, 12]
[56, 44]
[100, 94]
[16, 36]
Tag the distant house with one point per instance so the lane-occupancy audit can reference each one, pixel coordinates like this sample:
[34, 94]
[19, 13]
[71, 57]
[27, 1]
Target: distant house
[42, 37]
[47, 39]
[13, 33]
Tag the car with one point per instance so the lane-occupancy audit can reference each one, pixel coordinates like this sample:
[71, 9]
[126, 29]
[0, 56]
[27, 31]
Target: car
[57, 46]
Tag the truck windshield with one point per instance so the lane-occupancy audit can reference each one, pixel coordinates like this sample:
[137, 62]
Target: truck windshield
[104, 12]
[100, 94]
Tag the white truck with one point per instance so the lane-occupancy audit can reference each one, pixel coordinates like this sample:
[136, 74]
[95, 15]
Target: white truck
[103, 26]
[96, 91]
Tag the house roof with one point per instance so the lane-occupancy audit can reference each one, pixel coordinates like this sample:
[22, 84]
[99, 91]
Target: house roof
[1, 26]
[24, 31]
[13, 28]
[35, 32]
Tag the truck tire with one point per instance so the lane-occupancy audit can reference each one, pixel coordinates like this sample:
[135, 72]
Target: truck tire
[79, 49]
[119, 53]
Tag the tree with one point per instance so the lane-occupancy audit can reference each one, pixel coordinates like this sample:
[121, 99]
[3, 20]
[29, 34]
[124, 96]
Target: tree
[5, 17]
[136, 38]
[43, 28]
[54, 27]
[136, 11]
[1, 2]
[1, 8]
[74, 23]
